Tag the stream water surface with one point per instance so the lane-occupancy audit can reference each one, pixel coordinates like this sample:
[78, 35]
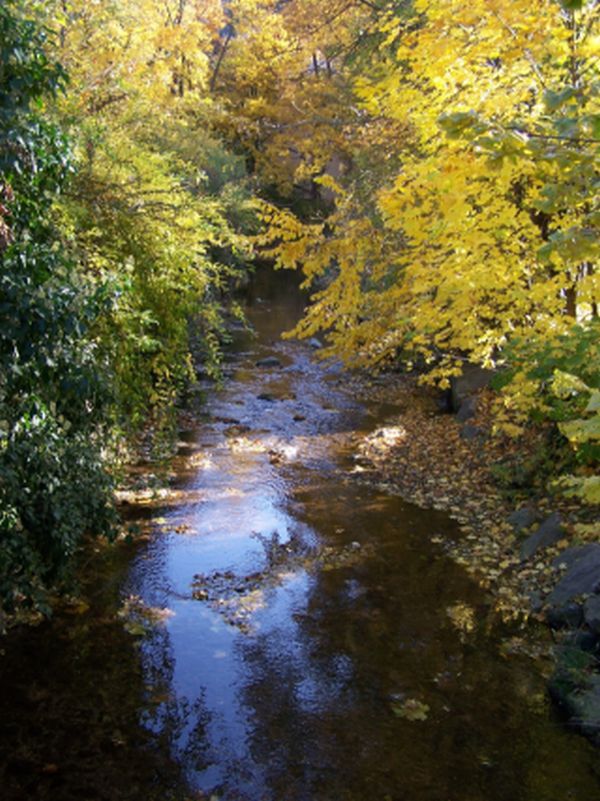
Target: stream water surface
[312, 643]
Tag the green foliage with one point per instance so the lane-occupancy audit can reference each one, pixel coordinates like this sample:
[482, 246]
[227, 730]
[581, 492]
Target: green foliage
[53, 388]
[560, 381]
[583, 433]
[115, 239]
[518, 475]
[169, 247]
[538, 361]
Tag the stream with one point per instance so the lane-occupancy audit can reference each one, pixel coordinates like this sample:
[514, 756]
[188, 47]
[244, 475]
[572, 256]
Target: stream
[288, 631]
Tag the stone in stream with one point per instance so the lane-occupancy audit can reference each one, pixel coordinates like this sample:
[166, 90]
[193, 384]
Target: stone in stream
[276, 396]
[548, 533]
[582, 576]
[269, 361]
[315, 343]
[237, 430]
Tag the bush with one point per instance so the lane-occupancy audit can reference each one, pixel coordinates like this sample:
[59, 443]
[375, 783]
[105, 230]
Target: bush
[54, 388]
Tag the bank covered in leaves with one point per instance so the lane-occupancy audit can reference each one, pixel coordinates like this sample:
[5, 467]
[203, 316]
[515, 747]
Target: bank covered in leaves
[536, 553]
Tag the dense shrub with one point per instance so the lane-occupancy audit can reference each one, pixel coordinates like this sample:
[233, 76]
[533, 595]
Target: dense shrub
[54, 392]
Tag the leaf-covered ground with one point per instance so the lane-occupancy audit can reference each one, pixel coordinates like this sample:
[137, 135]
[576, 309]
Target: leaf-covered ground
[424, 456]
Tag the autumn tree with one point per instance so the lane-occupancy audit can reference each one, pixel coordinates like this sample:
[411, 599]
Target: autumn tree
[157, 205]
[490, 208]
[282, 90]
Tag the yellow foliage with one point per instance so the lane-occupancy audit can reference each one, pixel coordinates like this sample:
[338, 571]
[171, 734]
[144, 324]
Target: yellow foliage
[455, 248]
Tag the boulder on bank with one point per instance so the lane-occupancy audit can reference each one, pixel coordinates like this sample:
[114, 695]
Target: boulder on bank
[472, 379]
[591, 613]
[568, 557]
[568, 616]
[548, 533]
[582, 576]
[575, 687]
[522, 518]
[468, 409]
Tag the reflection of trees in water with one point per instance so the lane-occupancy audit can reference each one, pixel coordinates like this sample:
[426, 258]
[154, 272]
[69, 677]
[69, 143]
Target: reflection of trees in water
[309, 730]
[320, 696]
[71, 694]
[178, 724]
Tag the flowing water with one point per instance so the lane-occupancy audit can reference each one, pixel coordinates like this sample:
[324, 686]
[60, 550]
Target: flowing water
[311, 643]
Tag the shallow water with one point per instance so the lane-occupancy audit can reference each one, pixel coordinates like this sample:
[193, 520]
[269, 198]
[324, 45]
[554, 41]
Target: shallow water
[337, 655]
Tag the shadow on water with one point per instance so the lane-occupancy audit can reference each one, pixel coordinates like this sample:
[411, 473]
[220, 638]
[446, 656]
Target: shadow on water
[316, 645]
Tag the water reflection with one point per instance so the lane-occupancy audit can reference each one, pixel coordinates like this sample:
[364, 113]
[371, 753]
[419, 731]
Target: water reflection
[371, 678]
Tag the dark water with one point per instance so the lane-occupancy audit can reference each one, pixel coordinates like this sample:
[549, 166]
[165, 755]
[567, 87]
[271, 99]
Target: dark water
[356, 664]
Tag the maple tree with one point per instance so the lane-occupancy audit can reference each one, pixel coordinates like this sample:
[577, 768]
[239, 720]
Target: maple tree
[466, 229]
[281, 91]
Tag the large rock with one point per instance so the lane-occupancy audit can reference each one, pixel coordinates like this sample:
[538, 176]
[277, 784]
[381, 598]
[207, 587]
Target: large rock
[468, 409]
[582, 640]
[582, 576]
[586, 709]
[472, 379]
[548, 533]
[577, 691]
[569, 556]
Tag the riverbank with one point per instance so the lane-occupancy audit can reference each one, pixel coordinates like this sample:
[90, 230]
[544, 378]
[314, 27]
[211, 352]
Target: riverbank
[537, 555]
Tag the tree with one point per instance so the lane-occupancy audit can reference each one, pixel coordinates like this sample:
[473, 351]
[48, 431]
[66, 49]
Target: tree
[484, 229]
[158, 204]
